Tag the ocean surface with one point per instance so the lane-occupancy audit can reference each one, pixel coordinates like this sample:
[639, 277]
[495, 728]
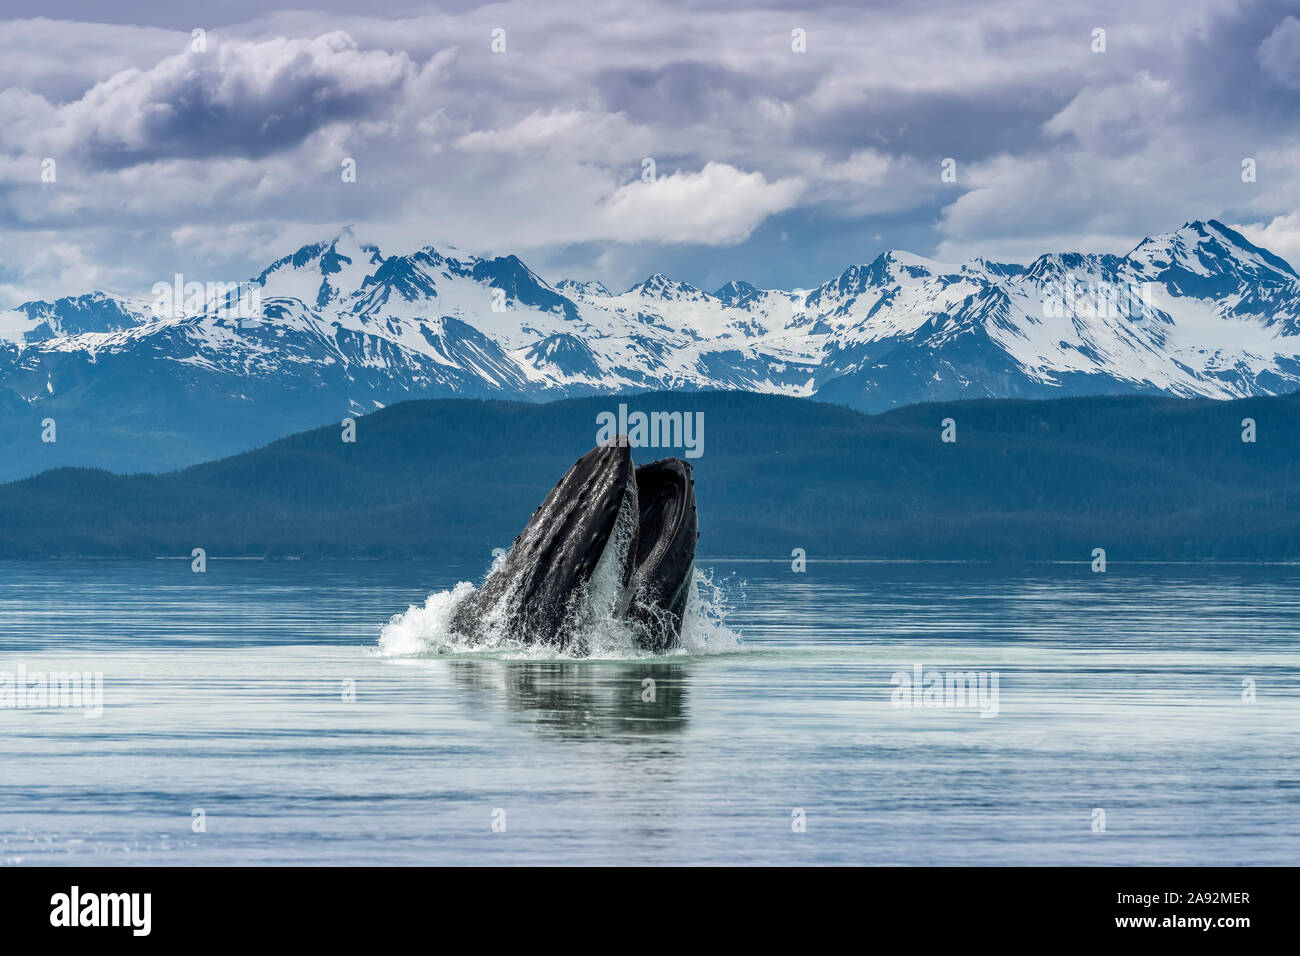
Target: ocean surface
[269, 713]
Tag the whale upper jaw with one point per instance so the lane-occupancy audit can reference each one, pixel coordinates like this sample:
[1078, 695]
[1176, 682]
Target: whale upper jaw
[609, 540]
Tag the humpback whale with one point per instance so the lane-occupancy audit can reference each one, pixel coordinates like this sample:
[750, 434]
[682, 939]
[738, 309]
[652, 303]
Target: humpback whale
[609, 541]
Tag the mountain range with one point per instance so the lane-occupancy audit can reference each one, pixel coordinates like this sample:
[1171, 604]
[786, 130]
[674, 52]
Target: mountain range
[345, 329]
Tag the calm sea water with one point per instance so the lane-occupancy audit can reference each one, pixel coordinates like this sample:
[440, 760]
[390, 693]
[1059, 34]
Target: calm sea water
[226, 692]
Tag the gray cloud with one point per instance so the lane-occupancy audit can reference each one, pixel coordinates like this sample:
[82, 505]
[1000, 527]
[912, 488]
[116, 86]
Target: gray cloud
[769, 160]
[238, 99]
[1279, 53]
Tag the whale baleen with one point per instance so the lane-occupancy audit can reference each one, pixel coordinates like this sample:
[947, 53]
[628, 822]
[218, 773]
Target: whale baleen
[609, 541]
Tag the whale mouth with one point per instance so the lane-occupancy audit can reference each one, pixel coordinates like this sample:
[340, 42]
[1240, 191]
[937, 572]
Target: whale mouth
[665, 557]
[609, 542]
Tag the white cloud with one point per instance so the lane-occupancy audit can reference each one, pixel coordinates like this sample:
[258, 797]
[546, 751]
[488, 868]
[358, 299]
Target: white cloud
[1280, 236]
[718, 205]
[577, 134]
[1116, 116]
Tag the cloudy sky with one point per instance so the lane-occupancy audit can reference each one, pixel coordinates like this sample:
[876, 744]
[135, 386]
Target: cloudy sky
[214, 154]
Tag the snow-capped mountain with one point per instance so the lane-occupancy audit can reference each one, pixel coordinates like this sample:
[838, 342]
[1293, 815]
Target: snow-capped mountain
[343, 328]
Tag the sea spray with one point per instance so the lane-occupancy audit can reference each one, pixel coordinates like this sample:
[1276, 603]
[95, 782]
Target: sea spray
[426, 629]
[704, 622]
[420, 629]
[596, 616]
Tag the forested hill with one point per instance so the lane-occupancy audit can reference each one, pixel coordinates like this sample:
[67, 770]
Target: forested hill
[1142, 477]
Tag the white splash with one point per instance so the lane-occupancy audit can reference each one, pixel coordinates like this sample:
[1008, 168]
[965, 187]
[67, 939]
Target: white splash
[426, 629]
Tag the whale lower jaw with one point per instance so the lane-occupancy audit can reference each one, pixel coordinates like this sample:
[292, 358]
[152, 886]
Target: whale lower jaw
[609, 543]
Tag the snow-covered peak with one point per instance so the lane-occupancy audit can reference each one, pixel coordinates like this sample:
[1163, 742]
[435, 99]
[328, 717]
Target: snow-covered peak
[39, 321]
[735, 292]
[1053, 266]
[900, 266]
[322, 272]
[883, 276]
[994, 270]
[322, 258]
[659, 286]
[586, 289]
[1207, 259]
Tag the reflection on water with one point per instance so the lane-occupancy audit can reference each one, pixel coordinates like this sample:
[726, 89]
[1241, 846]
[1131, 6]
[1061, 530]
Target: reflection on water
[256, 693]
[582, 698]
